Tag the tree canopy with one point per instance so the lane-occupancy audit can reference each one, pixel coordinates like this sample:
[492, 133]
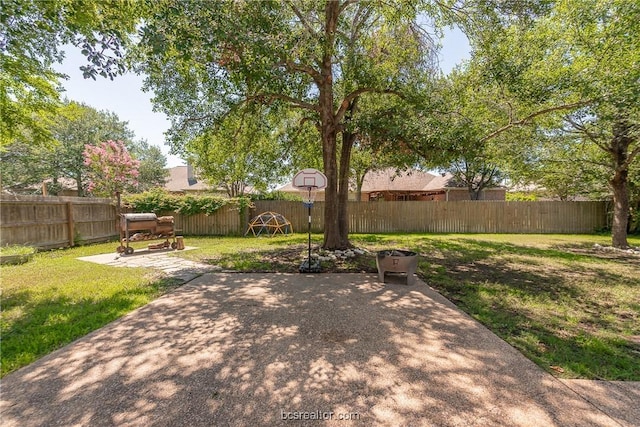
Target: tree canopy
[353, 74]
[204, 60]
[25, 166]
[579, 65]
[31, 32]
[111, 168]
[243, 151]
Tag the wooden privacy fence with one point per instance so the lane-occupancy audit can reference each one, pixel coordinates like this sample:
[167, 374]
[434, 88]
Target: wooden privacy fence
[225, 221]
[49, 222]
[452, 217]
[53, 222]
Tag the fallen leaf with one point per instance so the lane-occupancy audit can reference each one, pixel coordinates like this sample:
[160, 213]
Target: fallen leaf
[557, 368]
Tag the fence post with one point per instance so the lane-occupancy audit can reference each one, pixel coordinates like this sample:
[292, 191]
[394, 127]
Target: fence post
[244, 219]
[70, 226]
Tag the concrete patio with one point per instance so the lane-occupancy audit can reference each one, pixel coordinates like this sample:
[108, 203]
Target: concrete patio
[258, 349]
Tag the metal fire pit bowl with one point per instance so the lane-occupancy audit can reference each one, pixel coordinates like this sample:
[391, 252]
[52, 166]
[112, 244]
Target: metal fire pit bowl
[397, 261]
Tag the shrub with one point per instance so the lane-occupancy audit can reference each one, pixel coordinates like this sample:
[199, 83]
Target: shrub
[159, 201]
[520, 196]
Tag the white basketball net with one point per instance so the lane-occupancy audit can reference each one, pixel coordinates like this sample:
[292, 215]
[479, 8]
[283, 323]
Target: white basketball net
[308, 194]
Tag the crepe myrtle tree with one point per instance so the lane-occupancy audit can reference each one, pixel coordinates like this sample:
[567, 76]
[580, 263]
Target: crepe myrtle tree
[111, 169]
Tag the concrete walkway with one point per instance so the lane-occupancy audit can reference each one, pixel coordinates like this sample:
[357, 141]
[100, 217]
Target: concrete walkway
[257, 349]
[158, 259]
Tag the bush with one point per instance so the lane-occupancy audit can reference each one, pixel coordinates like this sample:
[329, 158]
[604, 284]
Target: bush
[16, 250]
[160, 201]
[277, 195]
[519, 196]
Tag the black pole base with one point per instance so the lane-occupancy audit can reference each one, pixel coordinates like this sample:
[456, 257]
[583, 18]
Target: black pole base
[314, 268]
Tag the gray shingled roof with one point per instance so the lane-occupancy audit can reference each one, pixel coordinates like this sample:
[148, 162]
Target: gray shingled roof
[389, 180]
[178, 181]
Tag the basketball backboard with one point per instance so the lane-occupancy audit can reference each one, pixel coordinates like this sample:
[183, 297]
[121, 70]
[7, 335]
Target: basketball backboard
[310, 178]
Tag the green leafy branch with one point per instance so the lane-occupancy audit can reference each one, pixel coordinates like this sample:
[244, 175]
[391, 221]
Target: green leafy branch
[159, 201]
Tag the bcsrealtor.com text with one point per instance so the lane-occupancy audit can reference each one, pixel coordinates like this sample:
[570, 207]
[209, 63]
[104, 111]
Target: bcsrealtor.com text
[318, 415]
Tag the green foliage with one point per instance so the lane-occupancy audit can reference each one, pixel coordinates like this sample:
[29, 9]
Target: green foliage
[520, 196]
[159, 201]
[276, 195]
[111, 168]
[31, 33]
[243, 150]
[575, 64]
[17, 250]
[153, 165]
[79, 125]
[26, 164]
[153, 201]
[205, 60]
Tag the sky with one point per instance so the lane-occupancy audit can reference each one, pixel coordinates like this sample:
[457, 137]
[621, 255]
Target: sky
[124, 96]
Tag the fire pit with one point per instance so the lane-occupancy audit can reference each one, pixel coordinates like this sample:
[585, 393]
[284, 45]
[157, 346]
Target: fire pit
[397, 261]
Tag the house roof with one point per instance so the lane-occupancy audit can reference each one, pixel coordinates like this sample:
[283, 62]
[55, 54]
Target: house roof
[390, 180]
[63, 182]
[439, 182]
[411, 180]
[180, 180]
[183, 179]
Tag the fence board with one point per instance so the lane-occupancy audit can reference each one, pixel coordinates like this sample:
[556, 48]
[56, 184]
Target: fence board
[226, 221]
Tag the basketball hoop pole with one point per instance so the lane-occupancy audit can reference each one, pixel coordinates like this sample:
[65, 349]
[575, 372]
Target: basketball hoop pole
[309, 228]
[308, 202]
[309, 181]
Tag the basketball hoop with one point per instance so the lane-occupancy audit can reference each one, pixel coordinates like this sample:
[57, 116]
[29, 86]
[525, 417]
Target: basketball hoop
[308, 182]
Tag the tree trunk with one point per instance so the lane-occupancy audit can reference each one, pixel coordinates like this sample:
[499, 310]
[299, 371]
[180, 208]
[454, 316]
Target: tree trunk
[335, 234]
[359, 183]
[332, 237]
[474, 193]
[620, 211]
[620, 152]
[79, 185]
[343, 187]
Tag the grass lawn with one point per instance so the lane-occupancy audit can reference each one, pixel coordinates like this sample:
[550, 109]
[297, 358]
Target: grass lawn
[572, 310]
[55, 298]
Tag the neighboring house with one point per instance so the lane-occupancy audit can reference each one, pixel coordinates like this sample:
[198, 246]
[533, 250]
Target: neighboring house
[388, 185]
[185, 180]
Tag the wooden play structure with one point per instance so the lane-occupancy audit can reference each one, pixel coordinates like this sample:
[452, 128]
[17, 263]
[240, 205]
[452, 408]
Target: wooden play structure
[269, 223]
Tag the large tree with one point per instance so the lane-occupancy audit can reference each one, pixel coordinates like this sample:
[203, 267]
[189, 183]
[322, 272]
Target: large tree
[242, 151]
[584, 54]
[79, 125]
[204, 59]
[111, 169]
[76, 125]
[25, 166]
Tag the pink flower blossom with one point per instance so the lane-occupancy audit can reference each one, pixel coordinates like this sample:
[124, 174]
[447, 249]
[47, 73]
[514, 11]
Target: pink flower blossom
[111, 168]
